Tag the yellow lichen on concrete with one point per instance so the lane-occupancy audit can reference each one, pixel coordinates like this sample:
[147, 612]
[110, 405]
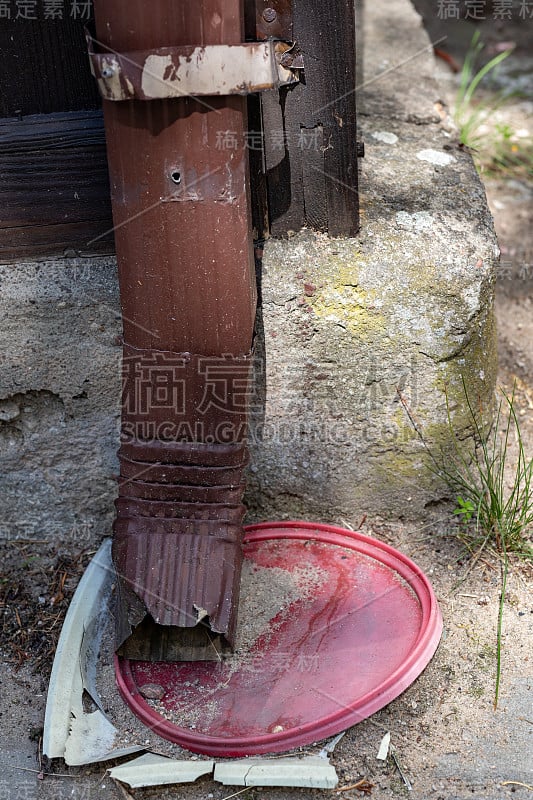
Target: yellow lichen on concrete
[340, 299]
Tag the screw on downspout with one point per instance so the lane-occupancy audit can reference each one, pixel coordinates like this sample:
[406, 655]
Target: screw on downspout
[269, 14]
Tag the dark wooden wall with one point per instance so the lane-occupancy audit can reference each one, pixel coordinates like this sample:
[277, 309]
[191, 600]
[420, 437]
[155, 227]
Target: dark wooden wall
[44, 65]
[54, 189]
[54, 192]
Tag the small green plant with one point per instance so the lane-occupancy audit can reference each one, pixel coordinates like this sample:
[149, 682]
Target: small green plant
[493, 143]
[494, 498]
[470, 115]
[491, 514]
[507, 153]
[465, 509]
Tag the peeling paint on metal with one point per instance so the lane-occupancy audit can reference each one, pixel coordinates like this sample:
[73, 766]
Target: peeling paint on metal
[173, 72]
[218, 69]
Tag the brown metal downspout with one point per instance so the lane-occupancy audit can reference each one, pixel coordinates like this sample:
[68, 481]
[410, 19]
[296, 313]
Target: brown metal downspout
[181, 212]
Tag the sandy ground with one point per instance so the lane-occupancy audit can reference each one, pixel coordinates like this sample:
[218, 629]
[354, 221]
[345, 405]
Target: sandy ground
[450, 741]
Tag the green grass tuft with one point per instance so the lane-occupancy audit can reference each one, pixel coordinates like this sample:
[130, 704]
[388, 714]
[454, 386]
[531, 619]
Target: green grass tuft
[494, 498]
[494, 145]
[478, 476]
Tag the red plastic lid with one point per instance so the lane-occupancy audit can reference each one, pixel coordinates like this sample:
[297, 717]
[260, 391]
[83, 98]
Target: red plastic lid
[361, 624]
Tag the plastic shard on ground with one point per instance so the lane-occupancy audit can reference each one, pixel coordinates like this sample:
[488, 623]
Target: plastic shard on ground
[312, 772]
[153, 770]
[329, 748]
[70, 732]
[383, 751]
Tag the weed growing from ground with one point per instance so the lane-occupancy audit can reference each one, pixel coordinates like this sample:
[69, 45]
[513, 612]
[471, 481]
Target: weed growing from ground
[493, 143]
[493, 497]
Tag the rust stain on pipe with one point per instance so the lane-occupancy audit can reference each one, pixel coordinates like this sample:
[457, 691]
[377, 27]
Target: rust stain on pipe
[181, 210]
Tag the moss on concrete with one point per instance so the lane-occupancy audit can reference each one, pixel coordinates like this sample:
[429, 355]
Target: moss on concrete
[473, 373]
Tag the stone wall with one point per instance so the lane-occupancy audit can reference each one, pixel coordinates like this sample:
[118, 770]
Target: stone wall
[60, 390]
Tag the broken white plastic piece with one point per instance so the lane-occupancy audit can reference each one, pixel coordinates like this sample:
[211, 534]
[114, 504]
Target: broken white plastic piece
[154, 770]
[383, 751]
[311, 772]
[328, 749]
[70, 732]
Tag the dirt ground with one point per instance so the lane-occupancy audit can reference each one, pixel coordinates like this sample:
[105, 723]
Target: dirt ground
[450, 741]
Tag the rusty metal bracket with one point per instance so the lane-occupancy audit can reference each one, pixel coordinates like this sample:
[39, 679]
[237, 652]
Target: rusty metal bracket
[189, 71]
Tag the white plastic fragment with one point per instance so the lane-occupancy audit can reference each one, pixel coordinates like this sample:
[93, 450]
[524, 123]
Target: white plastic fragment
[70, 732]
[311, 772]
[331, 745]
[383, 751]
[154, 770]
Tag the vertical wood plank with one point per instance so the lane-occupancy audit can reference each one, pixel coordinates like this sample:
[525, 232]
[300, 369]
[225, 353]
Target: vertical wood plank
[314, 180]
[325, 100]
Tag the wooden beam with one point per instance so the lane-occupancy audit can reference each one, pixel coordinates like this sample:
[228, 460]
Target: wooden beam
[312, 165]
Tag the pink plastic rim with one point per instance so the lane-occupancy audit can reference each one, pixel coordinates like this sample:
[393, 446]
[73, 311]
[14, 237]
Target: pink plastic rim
[390, 565]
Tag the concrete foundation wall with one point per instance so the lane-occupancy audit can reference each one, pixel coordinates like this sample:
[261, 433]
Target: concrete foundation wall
[360, 335]
[60, 390]
[352, 333]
